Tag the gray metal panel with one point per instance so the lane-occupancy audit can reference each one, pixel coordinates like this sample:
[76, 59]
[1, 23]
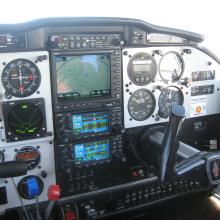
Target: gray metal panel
[196, 61]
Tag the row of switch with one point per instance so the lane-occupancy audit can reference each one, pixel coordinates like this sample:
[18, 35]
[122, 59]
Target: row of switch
[154, 192]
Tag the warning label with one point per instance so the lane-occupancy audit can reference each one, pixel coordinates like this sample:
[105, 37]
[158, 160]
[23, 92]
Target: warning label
[198, 106]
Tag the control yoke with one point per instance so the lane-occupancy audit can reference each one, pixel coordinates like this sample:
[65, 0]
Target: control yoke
[207, 162]
[12, 169]
[169, 144]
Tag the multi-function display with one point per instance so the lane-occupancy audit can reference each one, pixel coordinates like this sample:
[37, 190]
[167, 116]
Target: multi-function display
[83, 76]
[88, 123]
[91, 151]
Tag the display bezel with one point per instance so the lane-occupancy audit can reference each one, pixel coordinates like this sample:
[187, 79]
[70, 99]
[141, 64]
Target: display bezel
[91, 162]
[80, 53]
[10, 135]
[90, 133]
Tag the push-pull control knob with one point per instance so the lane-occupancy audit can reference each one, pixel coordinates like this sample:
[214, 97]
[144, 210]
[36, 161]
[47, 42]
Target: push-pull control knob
[91, 212]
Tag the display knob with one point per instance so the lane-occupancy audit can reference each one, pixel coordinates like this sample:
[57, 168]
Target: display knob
[43, 174]
[64, 138]
[117, 128]
[121, 157]
[92, 213]
[68, 171]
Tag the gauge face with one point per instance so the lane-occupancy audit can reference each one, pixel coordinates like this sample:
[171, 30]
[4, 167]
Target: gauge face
[141, 104]
[20, 78]
[25, 119]
[171, 67]
[29, 154]
[142, 69]
[169, 95]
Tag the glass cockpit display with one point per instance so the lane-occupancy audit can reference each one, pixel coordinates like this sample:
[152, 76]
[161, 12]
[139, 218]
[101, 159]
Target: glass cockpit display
[83, 76]
[25, 119]
[88, 123]
[142, 69]
[91, 151]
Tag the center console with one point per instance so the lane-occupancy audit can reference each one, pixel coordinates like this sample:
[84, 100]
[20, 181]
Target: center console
[87, 100]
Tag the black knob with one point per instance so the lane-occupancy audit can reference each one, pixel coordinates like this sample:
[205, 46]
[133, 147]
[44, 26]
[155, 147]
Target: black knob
[64, 138]
[159, 87]
[158, 52]
[92, 213]
[43, 174]
[9, 93]
[187, 51]
[117, 128]
[115, 42]
[123, 158]
[120, 156]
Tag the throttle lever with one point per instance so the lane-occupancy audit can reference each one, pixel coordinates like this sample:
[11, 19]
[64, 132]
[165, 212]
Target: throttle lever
[169, 145]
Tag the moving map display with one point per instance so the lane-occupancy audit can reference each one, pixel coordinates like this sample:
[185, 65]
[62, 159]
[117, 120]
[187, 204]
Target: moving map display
[82, 76]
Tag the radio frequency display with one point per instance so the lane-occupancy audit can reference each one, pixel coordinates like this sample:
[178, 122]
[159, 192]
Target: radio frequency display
[90, 123]
[92, 151]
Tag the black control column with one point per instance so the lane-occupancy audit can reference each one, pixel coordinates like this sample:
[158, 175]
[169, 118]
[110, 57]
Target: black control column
[169, 144]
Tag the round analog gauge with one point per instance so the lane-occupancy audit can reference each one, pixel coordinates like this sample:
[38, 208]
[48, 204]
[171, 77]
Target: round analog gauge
[25, 119]
[29, 154]
[20, 78]
[171, 67]
[141, 104]
[142, 69]
[169, 95]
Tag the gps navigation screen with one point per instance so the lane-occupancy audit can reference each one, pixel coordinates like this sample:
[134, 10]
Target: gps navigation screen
[92, 151]
[90, 123]
[82, 76]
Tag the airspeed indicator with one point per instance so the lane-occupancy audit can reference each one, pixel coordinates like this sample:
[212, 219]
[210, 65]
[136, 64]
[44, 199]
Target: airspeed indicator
[141, 104]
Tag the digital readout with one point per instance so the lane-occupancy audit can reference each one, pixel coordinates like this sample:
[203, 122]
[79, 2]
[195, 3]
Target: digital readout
[27, 155]
[90, 123]
[92, 151]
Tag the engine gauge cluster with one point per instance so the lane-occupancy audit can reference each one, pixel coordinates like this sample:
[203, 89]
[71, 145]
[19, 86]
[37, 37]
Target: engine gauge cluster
[153, 80]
